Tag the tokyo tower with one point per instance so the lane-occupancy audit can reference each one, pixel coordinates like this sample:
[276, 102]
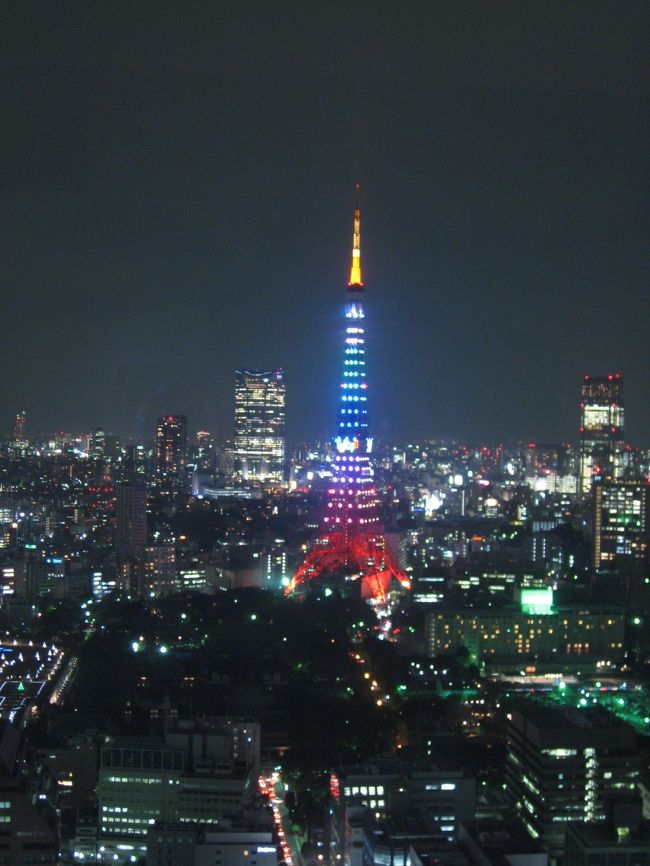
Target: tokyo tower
[351, 546]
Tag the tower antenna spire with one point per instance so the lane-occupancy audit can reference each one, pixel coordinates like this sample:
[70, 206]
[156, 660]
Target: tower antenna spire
[355, 269]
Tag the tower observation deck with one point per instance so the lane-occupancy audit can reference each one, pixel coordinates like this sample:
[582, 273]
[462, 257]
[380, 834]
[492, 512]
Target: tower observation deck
[351, 545]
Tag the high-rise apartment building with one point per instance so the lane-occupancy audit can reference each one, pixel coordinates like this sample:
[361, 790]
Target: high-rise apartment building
[602, 427]
[131, 529]
[259, 424]
[159, 569]
[171, 447]
[621, 523]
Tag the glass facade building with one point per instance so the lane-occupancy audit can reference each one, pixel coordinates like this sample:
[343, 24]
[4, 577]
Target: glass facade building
[602, 427]
[259, 424]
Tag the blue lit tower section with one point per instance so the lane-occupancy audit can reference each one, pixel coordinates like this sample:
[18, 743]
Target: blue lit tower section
[352, 497]
[352, 545]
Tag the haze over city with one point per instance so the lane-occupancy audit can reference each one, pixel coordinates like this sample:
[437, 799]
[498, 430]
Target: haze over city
[177, 183]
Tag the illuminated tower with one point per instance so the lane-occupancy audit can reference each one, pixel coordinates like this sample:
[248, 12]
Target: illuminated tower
[602, 426]
[352, 545]
[259, 424]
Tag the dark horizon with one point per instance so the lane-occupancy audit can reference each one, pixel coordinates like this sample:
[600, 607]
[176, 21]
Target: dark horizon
[180, 189]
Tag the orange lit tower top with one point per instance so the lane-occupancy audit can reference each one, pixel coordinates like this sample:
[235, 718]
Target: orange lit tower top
[355, 268]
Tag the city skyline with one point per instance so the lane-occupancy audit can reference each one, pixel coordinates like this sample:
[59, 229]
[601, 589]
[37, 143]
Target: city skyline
[310, 557]
[176, 224]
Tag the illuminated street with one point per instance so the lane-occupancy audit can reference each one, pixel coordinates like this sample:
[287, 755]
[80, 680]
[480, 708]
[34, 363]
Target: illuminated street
[270, 787]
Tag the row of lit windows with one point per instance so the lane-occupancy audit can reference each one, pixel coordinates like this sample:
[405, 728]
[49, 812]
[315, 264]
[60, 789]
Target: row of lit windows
[120, 820]
[143, 781]
[126, 831]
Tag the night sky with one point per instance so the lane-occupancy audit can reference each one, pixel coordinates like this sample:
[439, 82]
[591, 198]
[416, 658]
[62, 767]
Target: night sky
[177, 194]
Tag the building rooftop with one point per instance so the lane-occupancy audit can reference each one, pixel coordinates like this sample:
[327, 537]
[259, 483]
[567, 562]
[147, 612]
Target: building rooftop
[560, 716]
[498, 839]
[605, 835]
[398, 767]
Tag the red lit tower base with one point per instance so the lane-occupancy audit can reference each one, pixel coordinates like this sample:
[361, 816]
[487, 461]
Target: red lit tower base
[352, 546]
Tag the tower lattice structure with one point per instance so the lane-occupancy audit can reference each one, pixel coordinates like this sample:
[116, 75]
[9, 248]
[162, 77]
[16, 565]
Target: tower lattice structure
[351, 544]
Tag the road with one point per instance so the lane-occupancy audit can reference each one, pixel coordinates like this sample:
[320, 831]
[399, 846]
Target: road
[272, 788]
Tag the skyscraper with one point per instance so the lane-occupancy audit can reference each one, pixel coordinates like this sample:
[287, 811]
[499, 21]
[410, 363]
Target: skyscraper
[131, 529]
[352, 545]
[171, 447]
[259, 424]
[131, 534]
[20, 427]
[97, 444]
[204, 443]
[621, 516]
[602, 425]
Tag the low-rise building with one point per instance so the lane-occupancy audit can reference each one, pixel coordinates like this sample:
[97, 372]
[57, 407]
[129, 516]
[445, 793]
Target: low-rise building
[199, 772]
[607, 845]
[176, 844]
[536, 629]
[390, 787]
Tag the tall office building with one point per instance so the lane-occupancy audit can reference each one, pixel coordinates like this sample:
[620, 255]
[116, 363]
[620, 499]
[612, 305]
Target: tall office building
[602, 427]
[621, 523]
[204, 444]
[20, 427]
[259, 424]
[171, 446]
[97, 444]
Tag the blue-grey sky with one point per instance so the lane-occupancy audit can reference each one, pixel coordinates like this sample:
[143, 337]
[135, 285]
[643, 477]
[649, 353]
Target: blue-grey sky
[177, 203]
